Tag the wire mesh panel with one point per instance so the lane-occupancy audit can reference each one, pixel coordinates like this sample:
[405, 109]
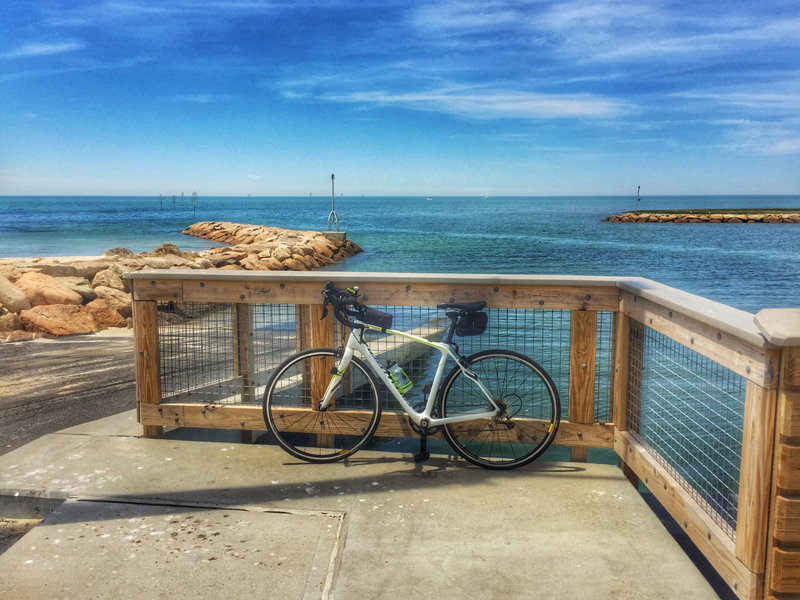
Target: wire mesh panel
[603, 364]
[688, 411]
[215, 353]
[225, 353]
[196, 350]
[543, 335]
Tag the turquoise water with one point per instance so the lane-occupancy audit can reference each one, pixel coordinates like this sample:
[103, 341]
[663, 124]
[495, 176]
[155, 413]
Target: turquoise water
[747, 266]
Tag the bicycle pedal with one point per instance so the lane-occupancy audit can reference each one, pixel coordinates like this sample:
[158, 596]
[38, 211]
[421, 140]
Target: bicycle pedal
[421, 457]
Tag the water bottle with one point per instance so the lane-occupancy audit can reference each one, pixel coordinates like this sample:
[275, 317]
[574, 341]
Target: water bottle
[398, 377]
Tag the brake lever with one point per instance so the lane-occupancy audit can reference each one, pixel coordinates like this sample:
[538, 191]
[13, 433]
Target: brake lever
[324, 309]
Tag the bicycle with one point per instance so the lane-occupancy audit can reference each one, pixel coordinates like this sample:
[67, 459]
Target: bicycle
[497, 409]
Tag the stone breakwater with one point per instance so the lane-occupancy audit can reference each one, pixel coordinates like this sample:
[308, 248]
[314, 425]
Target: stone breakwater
[705, 218]
[45, 297]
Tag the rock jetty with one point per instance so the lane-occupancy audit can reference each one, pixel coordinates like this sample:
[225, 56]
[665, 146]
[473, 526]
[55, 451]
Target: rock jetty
[45, 297]
[706, 217]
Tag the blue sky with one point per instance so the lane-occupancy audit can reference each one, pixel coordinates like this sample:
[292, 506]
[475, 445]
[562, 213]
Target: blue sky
[141, 97]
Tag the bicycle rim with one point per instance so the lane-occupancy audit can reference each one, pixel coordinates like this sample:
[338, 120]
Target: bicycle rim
[291, 402]
[527, 423]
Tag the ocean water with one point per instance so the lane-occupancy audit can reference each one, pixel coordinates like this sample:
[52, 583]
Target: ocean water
[747, 266]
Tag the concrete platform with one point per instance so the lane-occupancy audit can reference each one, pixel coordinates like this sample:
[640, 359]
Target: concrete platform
[444, 529]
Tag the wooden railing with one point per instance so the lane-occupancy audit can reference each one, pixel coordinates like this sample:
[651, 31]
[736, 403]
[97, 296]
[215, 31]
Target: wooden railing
[758, 554]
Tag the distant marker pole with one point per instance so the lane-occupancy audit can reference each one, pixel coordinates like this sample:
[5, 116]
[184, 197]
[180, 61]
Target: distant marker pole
[638, 199]
[332, 217]
[160, 202]
[194, 203]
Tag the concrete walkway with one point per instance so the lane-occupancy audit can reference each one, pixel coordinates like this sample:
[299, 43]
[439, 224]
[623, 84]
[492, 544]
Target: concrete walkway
[187, 519]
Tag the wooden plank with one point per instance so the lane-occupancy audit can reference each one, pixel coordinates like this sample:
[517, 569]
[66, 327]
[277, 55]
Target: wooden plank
[582, 353]
[244, 357]
[157, 289]
[755, 364]
[595, 435]
[785, 576]
[788, 413]
[790, 369]
[787, 474]
[755, 478]
[148, 374]
[619, 389]
[163, 415]
[302, 317]
[709, 537]
[401, 294]
[321, 337]
[243, 350]
[786, 524]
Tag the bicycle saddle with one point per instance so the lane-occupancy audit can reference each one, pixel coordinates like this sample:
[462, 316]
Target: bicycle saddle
[467, 307]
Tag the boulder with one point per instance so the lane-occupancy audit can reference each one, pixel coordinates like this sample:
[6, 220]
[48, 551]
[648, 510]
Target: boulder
[89, 268]
[109, 278]
[272, 264]
[59, 319]
[230, 268]
[302, 249]
[118, 252]
[10, 322]
[282, 253]
[204, 263]
[13, 298]
[154, 262]
[116, 299]
[252, 263]
[10, 272]
[308, 261]
[734, 220]
[79, 284]
[129, 322]
[294, 265]
[103, 314]
[44, 290]
[321, 248]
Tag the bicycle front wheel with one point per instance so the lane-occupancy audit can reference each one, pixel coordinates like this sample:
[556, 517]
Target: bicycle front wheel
[291, 406]
[529, 410]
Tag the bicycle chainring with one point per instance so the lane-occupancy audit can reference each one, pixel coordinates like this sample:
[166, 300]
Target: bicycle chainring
[419, 407]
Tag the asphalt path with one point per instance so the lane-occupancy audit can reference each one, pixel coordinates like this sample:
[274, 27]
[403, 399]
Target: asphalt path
[48, 385]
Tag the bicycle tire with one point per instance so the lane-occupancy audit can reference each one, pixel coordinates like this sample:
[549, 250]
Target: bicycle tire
[528, 422]
[311, 435]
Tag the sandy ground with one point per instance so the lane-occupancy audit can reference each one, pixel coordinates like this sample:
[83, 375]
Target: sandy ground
[49, 384]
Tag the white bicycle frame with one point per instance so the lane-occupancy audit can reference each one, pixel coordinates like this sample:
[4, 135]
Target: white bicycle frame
[356, 342]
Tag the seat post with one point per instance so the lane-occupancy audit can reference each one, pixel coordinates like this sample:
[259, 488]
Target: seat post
[453, 320]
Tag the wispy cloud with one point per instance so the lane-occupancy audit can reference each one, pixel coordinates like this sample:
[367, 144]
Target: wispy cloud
[205, 98]
[42, 49]
[495, 104]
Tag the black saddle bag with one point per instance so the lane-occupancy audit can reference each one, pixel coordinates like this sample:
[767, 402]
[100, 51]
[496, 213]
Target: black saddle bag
[370, 316]
[473, 324]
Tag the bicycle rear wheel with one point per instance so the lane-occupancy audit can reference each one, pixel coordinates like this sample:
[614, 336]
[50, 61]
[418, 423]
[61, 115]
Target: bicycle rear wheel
[529, 415]
[291, 406]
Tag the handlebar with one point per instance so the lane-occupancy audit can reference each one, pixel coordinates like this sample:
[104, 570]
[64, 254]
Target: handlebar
[341, 301]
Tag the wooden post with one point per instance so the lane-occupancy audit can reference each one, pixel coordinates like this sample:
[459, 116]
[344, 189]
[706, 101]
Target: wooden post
[148, 364]
[582, 353]
[244, 358]
[619, 387]
[321, 337]
[634, 372]
[758, 442]
[783, 543]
